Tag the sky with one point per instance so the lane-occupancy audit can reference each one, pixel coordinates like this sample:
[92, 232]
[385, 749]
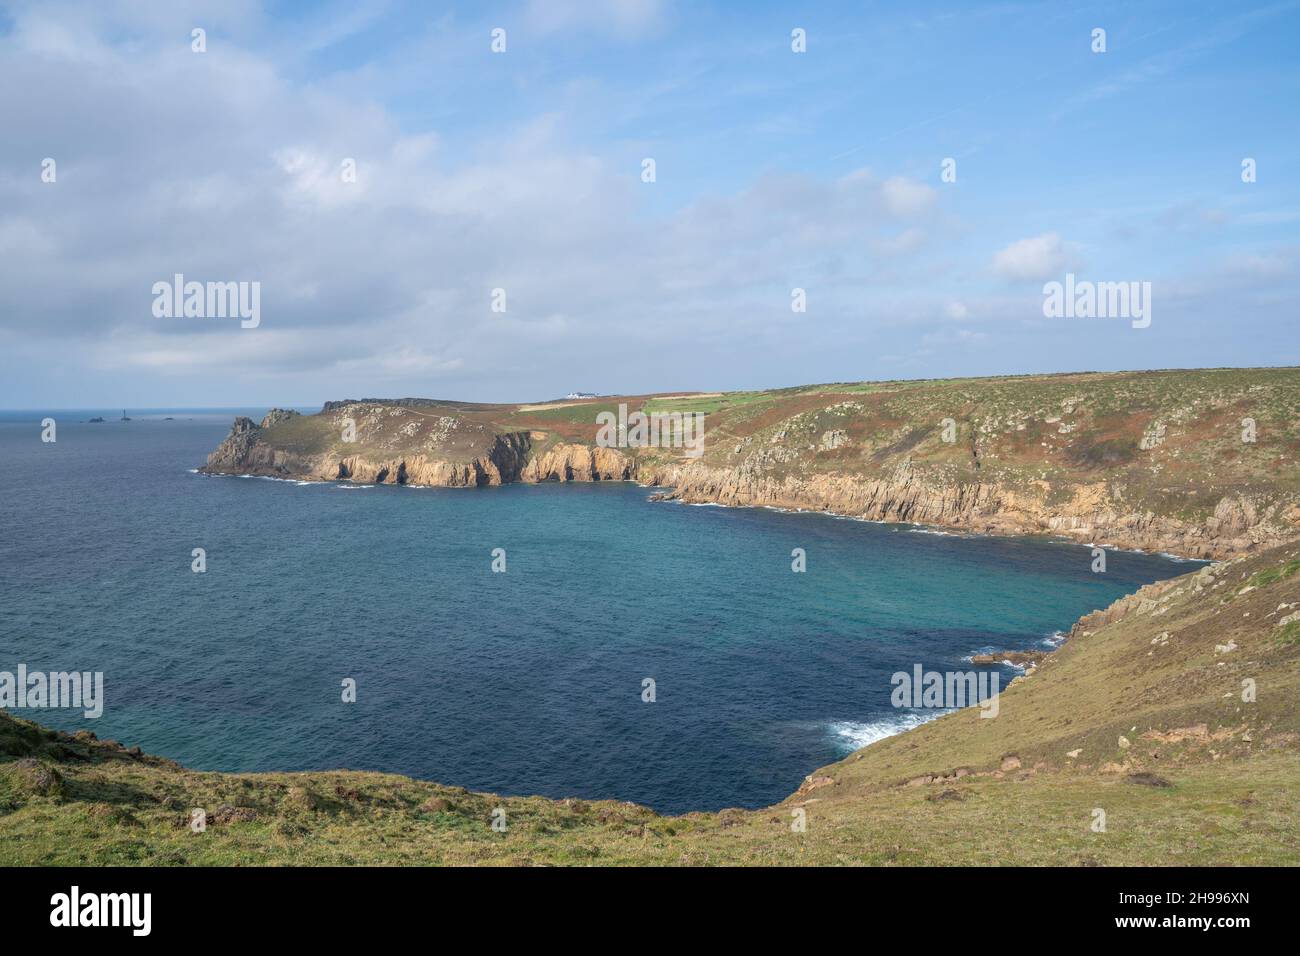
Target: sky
[524, 171]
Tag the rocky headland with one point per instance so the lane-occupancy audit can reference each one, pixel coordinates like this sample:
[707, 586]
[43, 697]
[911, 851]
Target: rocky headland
[1196, 463]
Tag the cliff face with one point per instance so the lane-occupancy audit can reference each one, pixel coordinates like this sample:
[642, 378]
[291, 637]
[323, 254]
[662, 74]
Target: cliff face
[1091, 515]
[244, 449]
[1199, 463]
[510, 457]
[501, 462]
[572, 462]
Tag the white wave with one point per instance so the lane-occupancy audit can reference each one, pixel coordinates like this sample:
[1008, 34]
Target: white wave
[1055, 639]
[1178, 559]
[851, 735]
[353, 487]
[1114, 547]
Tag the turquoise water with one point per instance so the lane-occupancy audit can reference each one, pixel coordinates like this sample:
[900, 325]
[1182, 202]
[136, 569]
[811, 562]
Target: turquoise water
[524, 682]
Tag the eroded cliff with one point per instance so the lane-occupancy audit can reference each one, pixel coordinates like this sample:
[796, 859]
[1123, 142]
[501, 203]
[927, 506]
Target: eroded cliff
[1199, 463]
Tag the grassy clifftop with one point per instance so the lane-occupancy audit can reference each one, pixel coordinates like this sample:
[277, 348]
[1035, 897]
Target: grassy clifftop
[1201, 462]
[1175, 712]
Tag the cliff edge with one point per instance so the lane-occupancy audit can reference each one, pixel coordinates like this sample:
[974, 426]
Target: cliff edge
[1200, 463]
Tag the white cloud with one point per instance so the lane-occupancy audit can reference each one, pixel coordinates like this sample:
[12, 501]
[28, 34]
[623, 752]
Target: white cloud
[1038, 257]
[225, 166]
[221, 168]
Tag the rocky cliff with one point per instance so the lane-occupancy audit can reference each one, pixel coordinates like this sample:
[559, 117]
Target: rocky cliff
[493, 459]
[1238, 524]
[1200, 463]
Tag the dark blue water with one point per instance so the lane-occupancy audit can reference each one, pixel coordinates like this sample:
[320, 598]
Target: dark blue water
[523, 682]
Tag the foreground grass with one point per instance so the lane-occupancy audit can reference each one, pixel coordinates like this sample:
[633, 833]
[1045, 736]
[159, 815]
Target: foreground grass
[1243, 814]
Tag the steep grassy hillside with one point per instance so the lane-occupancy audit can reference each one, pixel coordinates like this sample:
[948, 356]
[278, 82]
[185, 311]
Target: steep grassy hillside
[1202, 463]
[1141, 715]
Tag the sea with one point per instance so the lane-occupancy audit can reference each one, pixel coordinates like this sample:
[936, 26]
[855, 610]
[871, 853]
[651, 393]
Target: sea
[636, 650]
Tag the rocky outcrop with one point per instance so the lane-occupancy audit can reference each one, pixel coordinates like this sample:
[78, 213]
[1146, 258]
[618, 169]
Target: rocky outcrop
[244, 452]
[571, 462]
[277, 415]
[1156, 471]
[244, 449]
[237, 446]
[906, 494]
[1018, 658]
[502, 463]
[900, 495]
[507, 458]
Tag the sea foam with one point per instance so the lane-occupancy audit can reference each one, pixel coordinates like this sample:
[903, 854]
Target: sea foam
[851, 735]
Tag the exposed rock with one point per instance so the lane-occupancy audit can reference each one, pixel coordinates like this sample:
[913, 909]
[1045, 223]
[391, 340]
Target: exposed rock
[906, 494]
[277, 415]
[834, 439]
[814, 783]
[569, 462]
[1017, 658]
[237, 446]
[1153, 437]
[1090, 487]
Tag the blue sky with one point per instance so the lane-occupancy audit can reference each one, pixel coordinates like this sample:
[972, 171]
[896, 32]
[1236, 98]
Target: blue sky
[521, 171]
